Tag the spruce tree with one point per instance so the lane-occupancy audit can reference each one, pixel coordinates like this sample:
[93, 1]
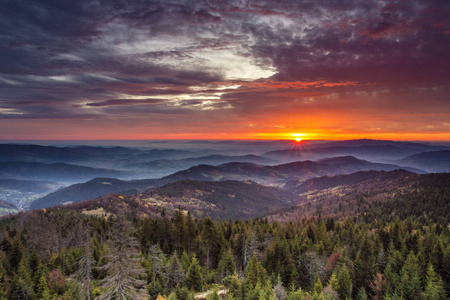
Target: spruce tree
[364, 264]
[344, 283]
[227, 266]
[434, 289]
[410, 277]
[194, 278]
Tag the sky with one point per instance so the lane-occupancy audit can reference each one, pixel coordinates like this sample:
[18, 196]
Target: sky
[224, 69]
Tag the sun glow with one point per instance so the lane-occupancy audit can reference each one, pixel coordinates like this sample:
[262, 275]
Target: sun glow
[298, 137]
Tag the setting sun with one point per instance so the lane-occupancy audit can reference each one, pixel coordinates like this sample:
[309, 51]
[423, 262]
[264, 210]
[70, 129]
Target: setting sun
[298, 136]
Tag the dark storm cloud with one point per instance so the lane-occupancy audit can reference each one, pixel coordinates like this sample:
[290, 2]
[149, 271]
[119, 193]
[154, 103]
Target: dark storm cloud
[112, 102]
[93, 58]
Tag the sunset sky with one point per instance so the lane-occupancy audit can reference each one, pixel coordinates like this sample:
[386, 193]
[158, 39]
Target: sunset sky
[224, 69]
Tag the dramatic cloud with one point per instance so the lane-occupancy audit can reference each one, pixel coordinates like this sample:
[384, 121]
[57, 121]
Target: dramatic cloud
[224, 69]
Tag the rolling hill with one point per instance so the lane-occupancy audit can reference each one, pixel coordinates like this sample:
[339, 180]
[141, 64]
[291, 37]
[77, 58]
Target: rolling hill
[279, 174]
[59, 172]
[376, 150]
[432, 161]
[93, 189]
[224, 199]
[396, 194]
[7, 208]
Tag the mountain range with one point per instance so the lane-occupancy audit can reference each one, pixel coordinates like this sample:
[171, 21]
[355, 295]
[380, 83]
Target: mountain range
[45, 173]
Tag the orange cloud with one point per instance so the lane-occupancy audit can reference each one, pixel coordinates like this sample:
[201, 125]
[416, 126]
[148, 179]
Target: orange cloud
[272, 84]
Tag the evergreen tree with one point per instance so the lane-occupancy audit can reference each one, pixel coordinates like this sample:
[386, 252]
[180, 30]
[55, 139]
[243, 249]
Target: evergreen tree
[17, 252]
[410, 277]
[227, 266]
[194, 278]
[43, 292]
[255, 272]
[179, 231]
[22, 285]
[210, 238]
[364, 264]
[2, 282]
[434, 289]
[214, 295]
[446, 269]
[344, 283]
[392, 279]
[362, 295]
[318, 287]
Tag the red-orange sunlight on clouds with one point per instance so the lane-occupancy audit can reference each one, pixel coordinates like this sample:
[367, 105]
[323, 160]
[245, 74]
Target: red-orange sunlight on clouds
[271, 84]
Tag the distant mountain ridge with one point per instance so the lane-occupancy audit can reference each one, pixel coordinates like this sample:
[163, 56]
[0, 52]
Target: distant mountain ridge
[365, 194]
[378, 150]
[54, 172]
[276, 175]
[279, 174]
[432, 161]
[94, 188]
[173, 165]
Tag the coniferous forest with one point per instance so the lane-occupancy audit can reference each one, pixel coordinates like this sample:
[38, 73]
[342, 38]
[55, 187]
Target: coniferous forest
[61, 253]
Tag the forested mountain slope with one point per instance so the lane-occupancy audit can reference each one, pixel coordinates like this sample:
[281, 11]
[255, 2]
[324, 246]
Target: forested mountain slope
[372, 194]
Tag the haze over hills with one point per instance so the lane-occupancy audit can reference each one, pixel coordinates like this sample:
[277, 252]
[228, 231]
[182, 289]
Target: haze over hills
[267, 175]
[202, 161]
[93, 189]
[373, 150]
[356, 194]
[163, 167]
[433, 161]
[279, 174]
[59, 172]
[22, 192]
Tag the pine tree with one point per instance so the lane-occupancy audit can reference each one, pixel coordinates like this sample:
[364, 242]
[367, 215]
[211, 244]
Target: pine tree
[214, 295]
[194, 278]
[43, 292]
[446, 269]
[344, 283]
[364, 264]
[362, 295]
[392, 279]
[17, 252]
[2, 281]
[318, 287]
[255, 272]
[179, 231]
[227, 266]
[22, 285]
[410, 277]
[434, 289]
[209, 236]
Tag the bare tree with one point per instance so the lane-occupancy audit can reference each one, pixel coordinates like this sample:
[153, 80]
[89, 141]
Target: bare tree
[123, 267]
[174, 273]
[85, 264]
[157, 257]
